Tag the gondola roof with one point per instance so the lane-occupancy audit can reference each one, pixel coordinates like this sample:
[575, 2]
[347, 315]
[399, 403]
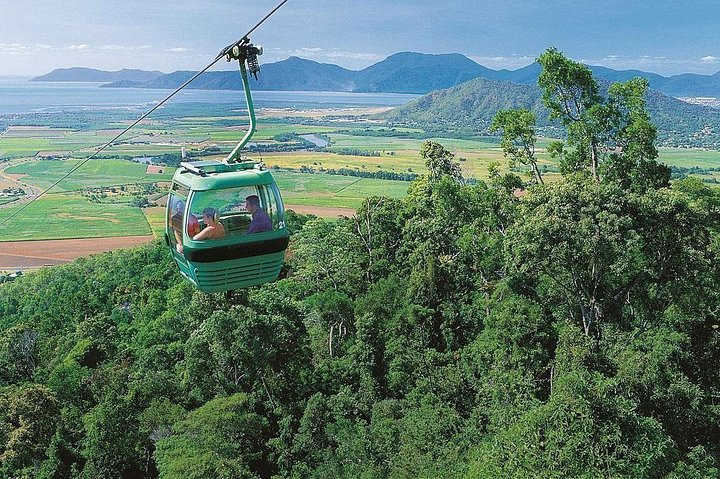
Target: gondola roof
[214, 174]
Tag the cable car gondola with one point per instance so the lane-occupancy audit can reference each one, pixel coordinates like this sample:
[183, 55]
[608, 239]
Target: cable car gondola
[225, 223]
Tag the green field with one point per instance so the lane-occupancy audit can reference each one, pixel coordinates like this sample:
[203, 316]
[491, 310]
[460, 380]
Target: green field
[687, 158]
[71, 215]
[155, 217]
[17, 142]
[93, 174]
[336, 191]
[57, 216]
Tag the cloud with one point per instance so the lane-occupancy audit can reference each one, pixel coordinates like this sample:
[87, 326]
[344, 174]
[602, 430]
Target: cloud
[500, 62]
[658, 64]
[14, 49]
[125, 48]
[78, 47]
[179, 50]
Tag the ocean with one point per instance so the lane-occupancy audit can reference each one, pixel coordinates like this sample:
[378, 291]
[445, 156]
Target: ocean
[22, 96]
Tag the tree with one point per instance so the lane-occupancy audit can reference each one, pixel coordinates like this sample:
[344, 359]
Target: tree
[612, 134]
[28, 418]
[326, 256]
[630, 143]
[439, 161]
[223, 439]
[18, 354]
[571, 95]
[518, 138]
[595, 247]
[377, 228]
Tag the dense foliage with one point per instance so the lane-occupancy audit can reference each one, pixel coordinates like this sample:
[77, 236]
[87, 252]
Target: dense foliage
[459, 332]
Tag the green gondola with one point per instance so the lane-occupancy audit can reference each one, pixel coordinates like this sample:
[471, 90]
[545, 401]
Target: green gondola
[225, 223]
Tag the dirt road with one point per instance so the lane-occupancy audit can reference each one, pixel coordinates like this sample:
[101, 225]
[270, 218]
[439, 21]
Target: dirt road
[13, 181]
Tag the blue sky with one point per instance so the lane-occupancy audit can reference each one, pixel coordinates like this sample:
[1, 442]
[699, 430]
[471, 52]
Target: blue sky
[666, 37]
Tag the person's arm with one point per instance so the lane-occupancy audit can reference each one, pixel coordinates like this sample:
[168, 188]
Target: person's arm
[204, 233]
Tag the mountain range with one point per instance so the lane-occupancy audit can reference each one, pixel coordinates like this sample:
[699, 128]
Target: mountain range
[459, 95]
[405, 72]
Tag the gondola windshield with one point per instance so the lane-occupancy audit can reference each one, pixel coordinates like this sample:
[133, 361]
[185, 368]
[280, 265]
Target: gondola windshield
[240, 211]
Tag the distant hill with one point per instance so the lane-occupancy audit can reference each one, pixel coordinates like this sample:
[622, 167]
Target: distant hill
[684, 85]
[410, 72]
[293, 74]
[471, 106]
[79, 74]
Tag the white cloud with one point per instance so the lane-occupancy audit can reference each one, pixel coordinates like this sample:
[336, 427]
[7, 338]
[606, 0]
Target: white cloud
[511, 62]
[710, 59]
[14, 49]
[125, 48]
[179, 50]
[78, 47]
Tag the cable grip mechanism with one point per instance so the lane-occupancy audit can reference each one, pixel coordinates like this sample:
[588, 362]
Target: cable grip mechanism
[245, 52]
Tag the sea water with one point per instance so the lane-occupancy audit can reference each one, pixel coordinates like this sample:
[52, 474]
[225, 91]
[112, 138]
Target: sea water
[19, 95]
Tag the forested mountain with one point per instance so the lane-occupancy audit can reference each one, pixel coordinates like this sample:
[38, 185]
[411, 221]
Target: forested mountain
[78, 74]
[683, 85]
[293, 74]
[442, 335]
[470, 107]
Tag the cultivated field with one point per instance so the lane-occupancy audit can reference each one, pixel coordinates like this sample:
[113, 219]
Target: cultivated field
[100, 199]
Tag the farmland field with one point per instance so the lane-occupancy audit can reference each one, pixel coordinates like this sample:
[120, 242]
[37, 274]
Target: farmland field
[93, 174]
[71, 215]
[334, 191]
[56, 216]
[686, 157]
[356, 144]
[28, 141]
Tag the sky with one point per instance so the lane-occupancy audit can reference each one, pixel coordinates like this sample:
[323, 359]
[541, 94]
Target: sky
[660, 36]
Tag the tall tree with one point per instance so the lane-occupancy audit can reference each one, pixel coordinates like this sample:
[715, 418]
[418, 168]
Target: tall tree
[571, 94]
[612, 134]
[439, 161]
[601, 250]
[518, 138]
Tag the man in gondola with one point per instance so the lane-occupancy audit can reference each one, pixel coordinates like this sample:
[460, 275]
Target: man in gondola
[260, 220]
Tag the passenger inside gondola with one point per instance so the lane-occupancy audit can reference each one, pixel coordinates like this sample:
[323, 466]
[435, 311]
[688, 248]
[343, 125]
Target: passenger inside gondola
[176, 222]
[260, 220]
[213, 228]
